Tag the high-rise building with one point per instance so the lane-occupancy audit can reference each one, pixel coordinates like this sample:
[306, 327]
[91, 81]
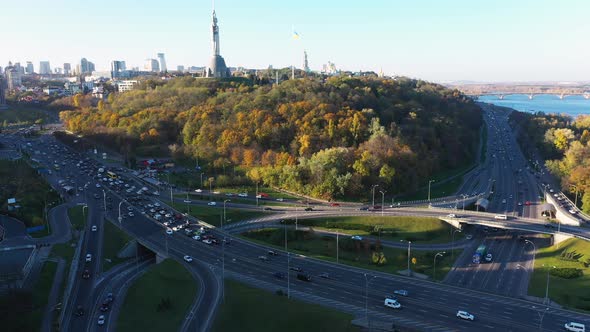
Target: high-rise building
[83, 66]
[30, 70]
[13, 77]
[67, 69]
[2, 94]
[44, 68]
[217, 67]
[180, 69]
[162, 60]
[152, 65]
[305, 62]
[91, 67]
[117, 68]
[20, 69]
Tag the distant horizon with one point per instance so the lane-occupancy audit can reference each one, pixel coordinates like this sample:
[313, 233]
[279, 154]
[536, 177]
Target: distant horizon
[455, 40]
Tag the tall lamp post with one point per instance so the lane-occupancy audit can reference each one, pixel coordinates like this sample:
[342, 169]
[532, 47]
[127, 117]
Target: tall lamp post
[453, 242]
[434, 265]
[104, 196]
[547, 287]
[429, 182]
[120, 218]
[575, 193]
[409, 254]
[373, 191]
[367, 297]
[224, 218]
[382, 200]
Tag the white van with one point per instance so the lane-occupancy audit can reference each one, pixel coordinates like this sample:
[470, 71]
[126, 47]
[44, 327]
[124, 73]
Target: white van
[392, 303]
[501, 216]
[576, 327]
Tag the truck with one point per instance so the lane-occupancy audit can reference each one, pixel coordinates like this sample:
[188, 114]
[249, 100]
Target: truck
[479, 254]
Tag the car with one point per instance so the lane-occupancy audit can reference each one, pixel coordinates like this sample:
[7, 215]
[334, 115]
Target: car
[243, 194]
[334, 204]
[279, 275]
[572, 211]
[488, 257]
[401, 292]
[304, 277]
[308, 209]
[131, 214]
[527, 203]
[296, 269]
[105, 306]
[88, 257]
[101, 320]
[187, 201]
[504, 201]
[207, 241]
[364, 208]
[551, 191]
[392, 303]
[110, 297]
[324, 275]
[196, 237]
[266, 208]
[272, 253]
[519, 203]
[86, 274]
[198, 190]
[576, 327]
[212, 203]
[451, 215]
[465, 315]
[469, 237]
[79, 311]
[97, 185]
[169, 231]
[356, 237]
[94, 228]
[263, 258]
[280, 199]
[188, 258]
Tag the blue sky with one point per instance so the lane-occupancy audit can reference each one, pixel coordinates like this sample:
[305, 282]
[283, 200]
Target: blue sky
[499, 40]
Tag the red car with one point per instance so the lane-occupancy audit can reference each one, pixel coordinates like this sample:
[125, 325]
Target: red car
[527, 203]
[334, 204]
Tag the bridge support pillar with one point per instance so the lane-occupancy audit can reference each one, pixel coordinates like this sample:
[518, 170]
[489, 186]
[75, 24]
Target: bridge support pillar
[560, 237]
[160, 258]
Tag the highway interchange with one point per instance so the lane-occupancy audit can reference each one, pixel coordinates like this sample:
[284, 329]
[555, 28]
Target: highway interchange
[430, 306]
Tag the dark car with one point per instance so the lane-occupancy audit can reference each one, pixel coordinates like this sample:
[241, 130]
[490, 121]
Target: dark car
[364, 208]
[304, 276]
[79, 311]
[105, 306]
[267, 208]
[86, 274]
[325, 275]
[272, 253]
[295, 268]
[308, 209]
[110, 298]
[279, 275]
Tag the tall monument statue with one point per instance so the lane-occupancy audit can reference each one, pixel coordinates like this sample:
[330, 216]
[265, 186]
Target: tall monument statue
[217, 67]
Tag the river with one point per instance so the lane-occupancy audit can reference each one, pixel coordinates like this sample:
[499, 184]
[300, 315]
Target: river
[570, 105]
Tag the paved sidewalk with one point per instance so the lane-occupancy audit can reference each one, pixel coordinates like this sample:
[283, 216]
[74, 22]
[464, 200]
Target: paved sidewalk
[46, 325]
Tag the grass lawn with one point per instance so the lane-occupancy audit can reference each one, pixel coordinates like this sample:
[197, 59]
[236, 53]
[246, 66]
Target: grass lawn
[250, 309]
[213, 215]
[41, 292]
[76, 216]
[234, 199]
[114, 240]
[168, 280]
[22, 115]
[20, 181]
[416, 229]
[355, 253]
[574, 293]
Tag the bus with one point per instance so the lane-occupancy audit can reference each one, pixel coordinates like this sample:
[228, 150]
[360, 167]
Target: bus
[479, 254]
[112, 175]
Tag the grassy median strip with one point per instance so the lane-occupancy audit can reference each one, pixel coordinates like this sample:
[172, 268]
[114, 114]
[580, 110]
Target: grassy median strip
[113, 241]
[569, 281]
[159, 299]
[213, 215]
[364, 253]
[251, 309]
[77, 217]
[421, 230]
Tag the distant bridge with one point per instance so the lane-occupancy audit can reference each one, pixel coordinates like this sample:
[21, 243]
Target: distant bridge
[531, 96]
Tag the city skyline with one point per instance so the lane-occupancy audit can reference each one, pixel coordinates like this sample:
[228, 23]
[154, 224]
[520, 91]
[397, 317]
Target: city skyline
[455, 40]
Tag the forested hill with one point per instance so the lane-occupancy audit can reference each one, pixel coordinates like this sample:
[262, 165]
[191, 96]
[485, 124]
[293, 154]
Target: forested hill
[324, 138]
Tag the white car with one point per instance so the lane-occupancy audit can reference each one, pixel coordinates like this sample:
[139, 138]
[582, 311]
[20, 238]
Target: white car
[488, 258]
[97, 185]
[198, 190]
[88, 257]
[157, 204]
[572, 211]
[187, 201]
[212, 203]
[188, 258]
[356, 237]
[452, 215]
[131, 214]
[207, 241]
[392, 303]
[576, 327]
[101, 320]
[243, 195]
[465, 315]
[504, 201]
[280, 199]
[196, 237]
[169, 231]
[94, 228]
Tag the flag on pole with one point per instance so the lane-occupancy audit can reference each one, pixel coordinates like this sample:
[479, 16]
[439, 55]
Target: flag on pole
[295, 34]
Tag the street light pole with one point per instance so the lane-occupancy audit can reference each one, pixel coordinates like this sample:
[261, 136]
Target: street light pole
[453, 243]
[409, 253]
[382, 200]
[429, 182]
[434, 267]
[367, 298]
[224, 218]
[120, 212]
[373, 191]
[104, 195]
